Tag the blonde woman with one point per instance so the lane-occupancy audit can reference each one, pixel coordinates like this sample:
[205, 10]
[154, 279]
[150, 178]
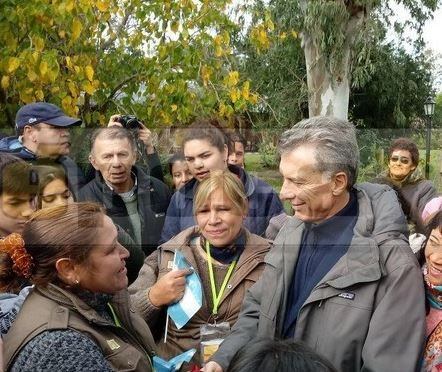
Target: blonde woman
[225, 255]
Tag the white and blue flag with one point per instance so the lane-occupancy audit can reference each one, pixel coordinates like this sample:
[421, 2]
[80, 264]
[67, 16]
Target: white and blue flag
[182, 311]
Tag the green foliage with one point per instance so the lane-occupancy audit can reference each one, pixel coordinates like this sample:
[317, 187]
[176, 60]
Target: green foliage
[395, 94]
[437, 119]
[164, 60]
[268, 154]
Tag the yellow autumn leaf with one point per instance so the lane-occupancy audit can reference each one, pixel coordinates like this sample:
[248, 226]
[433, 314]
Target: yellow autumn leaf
[5, 82]
[55, 89]
[165, 117]
[102, 119]
[70, 4]
[283, 35]
[218, 39]
[52, 74]
[206, 72]
[26, 95]
[246, 90]
[232, 78]
[39, 95]
[234, 94]
[174, 108]
[39, 43]
[76, 29]
[253, 99]
[35, 56]
[96, 84]
[218, 51]
[89, 71]
[43, 68]
[294, 34]
[263, 38]
[73, 89]
[13, 64]
[222, 109]
[102, 5]
[62, 34]
[32, 76]
[69, 62]
[88, 88]
[66, 103]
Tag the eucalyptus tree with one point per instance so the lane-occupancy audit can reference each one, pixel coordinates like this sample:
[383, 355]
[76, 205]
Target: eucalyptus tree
[338, 38]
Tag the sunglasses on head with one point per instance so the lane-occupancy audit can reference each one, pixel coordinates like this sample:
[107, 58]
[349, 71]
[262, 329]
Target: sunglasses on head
[401, 159]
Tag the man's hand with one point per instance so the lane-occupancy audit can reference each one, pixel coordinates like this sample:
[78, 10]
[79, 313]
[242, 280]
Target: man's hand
[113, 121]
[212, 367]
[170, 288]
[144, 134]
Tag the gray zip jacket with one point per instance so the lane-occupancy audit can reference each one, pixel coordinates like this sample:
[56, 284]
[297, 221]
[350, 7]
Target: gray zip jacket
[366, 314]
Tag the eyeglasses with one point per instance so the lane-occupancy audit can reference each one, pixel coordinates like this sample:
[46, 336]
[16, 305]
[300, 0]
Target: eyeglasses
[402, 159]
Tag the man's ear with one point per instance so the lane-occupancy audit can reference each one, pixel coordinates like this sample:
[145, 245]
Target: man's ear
[92, 161]
[339, 183]
[29, 133]
[67, 271]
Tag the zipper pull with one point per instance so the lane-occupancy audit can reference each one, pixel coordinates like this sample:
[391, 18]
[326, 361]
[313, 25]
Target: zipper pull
[320, 303]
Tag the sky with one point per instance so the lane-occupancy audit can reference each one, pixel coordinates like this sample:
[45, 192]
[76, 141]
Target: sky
[433, 32]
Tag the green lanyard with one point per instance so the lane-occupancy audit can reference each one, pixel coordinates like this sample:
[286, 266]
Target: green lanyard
[114, 315]
[118, 324]
[216, 298]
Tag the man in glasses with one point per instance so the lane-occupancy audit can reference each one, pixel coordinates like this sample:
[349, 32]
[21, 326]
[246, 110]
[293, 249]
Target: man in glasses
[43, 138]
[405, 177]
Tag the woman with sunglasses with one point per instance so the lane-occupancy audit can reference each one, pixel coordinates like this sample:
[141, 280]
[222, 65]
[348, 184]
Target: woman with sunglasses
[404, 176]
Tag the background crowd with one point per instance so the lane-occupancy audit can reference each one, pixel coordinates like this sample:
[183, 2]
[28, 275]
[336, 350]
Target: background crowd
[347, 278]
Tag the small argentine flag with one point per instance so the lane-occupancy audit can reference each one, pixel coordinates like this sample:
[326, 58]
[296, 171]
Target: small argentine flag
[187, 307]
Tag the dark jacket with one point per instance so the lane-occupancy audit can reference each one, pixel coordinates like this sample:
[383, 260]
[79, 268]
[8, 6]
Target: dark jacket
[264, 203]
[74, 174]
[153, 198]
[126, 348]
[366, 314]
[246, 273]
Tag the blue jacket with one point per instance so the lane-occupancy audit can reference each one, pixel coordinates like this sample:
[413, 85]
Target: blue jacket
[74, 174]
[264, 203]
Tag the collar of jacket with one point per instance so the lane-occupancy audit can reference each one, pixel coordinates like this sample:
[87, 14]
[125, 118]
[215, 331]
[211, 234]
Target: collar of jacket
[143, 182]
[72, 301]
[254, 244]
[251, 257]
[189, 189]
[376, 224]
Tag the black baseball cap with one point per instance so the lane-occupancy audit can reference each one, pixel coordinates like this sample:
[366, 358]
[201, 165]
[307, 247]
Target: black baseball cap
[43, 112]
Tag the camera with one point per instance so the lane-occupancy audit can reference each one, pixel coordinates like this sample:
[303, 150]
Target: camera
[130, 122]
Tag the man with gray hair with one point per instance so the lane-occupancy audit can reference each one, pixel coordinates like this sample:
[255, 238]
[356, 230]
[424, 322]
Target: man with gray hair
[135, 201]
[341, 277]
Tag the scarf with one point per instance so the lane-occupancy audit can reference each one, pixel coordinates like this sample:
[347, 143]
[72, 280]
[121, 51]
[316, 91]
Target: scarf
[227, 254]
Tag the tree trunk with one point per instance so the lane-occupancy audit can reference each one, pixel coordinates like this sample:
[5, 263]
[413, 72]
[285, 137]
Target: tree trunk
[328, 94]
[329, 88]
